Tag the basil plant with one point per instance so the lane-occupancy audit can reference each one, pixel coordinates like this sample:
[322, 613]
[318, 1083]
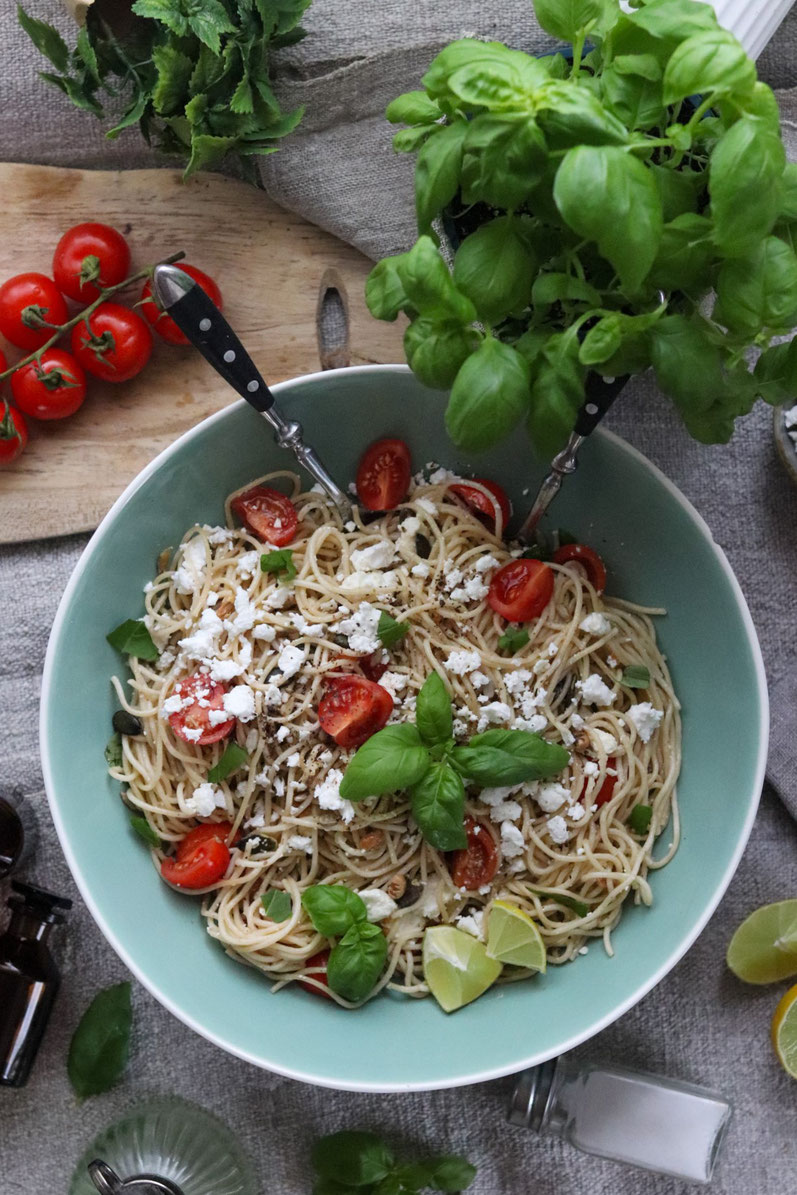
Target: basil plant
[623, 205]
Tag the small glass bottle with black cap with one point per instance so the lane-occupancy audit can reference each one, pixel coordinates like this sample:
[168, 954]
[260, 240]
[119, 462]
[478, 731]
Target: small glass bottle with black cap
[29, 978]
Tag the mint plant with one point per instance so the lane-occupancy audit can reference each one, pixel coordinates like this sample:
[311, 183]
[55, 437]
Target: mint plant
[625, 205]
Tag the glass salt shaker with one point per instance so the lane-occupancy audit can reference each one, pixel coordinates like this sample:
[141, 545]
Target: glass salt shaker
[628, 1116]
[165, 1146]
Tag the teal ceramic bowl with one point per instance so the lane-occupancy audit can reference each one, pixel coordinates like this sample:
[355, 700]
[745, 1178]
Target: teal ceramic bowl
[659, 552]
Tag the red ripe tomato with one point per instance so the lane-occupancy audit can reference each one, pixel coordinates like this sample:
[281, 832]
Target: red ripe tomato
[477, 863]
[200, 696]
[383, 475]
[606, 790]
[51, 388]
[588, 558]
[202, 857]
[25, 301]
[89, 257]
[13, 433]
[481, 505]
[268, 514]
[317, 963]
[118, 345]
[521, 590]
[163, 324]
[353, 708]
[373, 666]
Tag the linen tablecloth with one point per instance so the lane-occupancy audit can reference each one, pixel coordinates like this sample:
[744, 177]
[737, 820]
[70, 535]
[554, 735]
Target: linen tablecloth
[699, 1024]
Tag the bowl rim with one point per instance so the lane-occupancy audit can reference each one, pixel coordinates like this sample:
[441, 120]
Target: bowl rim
[478, 1076]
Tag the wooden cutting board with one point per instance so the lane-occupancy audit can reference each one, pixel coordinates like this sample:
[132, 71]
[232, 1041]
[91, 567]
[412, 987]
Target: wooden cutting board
[271, 267]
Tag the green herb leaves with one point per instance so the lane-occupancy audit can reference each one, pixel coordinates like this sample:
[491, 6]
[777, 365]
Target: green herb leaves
[513, 639]
[280, 561]
[360, 1163]
[133, 639]
[231, 759]
[438, 806]
[195, 76]
[489, 396]
[391, 760]
[636, 676]
[434, 717]
[503, 757]
[277, 905]
[356, 962]
[100, 1045]
[640, 818]
[388, 631]
[145, 831]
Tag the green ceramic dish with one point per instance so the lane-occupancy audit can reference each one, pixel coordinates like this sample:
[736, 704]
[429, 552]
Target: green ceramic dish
[659, 552]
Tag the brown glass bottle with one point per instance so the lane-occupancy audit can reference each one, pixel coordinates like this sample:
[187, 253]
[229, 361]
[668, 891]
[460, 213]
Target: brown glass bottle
[29, 978]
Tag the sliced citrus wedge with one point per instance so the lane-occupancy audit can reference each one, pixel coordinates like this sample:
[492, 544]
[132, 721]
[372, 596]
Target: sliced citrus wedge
[764, 947]
[456, 967]
[784, 1031]
[512, 937]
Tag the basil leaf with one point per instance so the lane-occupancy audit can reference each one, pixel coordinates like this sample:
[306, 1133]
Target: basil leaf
[501, 757]
[391, 760]
[639, 819]
[351, 1158]
[687, 362]
[776, 373]
[567, 902]
[433, 714]
[788, 192]
[133, 639]
[438, 806]
[668, 21]
[429, 286]
[744, 184]
[646, 66]
[572, 116]
[280, 561]
[636, 676]
[357, 961]
[565, 19]
[513, 639]
[441, 1174]
[333, 908]
[759, 290]
[413, 107]
[45, 38]
[710, 63]
[602, 341]
[389, 632]
[100, 1045]
[384, 290]
[145, 831]
[437, 172]
[557, 392]
[685, 254]
[553, 288]
[277, 905]
[609, 197]
[436, 350]
[504, 158]
[494, 267]
[232, 758]
[114, 756]
[489, 396]
[636, 100]
[406, 141]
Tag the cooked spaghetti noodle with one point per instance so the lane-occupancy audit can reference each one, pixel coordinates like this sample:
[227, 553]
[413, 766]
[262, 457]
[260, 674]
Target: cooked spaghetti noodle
[564, 847]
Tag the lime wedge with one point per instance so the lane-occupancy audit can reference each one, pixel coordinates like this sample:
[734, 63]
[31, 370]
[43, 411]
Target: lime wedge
[784, 1031]
[512, 937]
[456, 966]
[764, 947]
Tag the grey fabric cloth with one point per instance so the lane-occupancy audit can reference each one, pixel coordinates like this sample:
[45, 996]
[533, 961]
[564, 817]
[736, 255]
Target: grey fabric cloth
[699, 1024]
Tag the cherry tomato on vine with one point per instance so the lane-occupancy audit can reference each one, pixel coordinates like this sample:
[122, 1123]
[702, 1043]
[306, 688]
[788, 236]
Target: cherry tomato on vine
[89, 257]
[162, 323]
[521, 590]
[268, 514]
[118, 345]
[383, 474]
[588, 558]
[202, 857]
[52, 388]
[13, 433]
[27, 301]
[481, 505]
[353, 708]
[477, 863]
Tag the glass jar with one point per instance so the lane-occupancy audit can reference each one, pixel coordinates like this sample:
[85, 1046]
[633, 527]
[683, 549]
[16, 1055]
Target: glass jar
[17, 832]
[644, 1120]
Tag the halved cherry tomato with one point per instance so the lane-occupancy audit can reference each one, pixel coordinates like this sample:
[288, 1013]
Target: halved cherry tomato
[606, 790]
[202, 695]
[383, 475]
[318, 961]
[268, 514]
[477, 863]
[163, 324]
[588, 558]
[521, 590]
[30, 297]
[51, 388]
[88, 257]
[481, 505]
[373, 667]
[117, 347]
[13, 433]
[353, 708]
[202, 857]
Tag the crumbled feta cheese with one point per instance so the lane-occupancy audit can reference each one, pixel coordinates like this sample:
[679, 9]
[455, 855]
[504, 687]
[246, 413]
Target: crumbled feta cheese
[430, 901]
[551, 797]
[378, 904]
[279, 598]
[216, 717]
[441, 476]
[427, 505]
[376, 556]
[283, 733]
[327, 793]
[290, 660]
[251, 740]
[505, 811]
[577, 722]
[301, 842]
[512, 841]
[459, 728]
[607, 741]
[203, 800]
[574, 812]
[422, 569]
[484, 564]
[188, 577]
[646, 719]
[479, 680]
[453, 575]
[224, 670]
[472, 923]
[273, 695]
[166, 659]
[553, 649]
[595, 624]
[517, 681]
[360, 628]
[463, 662]
[218, 535]
[245, 612]
[557, 828]
[372, 582]
[264, 633]
[175, 703]
[536, 724]
[201, 643]
[497, 712]
[611, 661]
[394, 682]
[293, 760]
[240, 703]
[475, 589]
[247, 563]
[411, 525]
[595, 691]
[590, 768]
[192, 735]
